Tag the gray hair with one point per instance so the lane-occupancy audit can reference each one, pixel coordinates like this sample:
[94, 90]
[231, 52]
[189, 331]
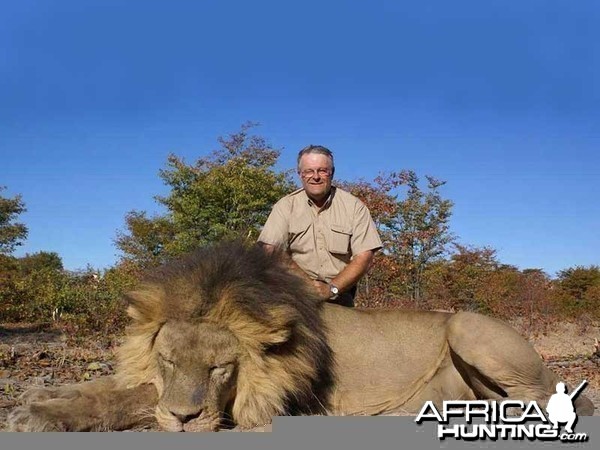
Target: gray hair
[318, 149]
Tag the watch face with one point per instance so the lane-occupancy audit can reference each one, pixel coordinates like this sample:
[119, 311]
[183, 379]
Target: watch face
[334, 290]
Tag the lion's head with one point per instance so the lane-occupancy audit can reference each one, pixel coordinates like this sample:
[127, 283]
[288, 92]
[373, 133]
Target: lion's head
[226, 331]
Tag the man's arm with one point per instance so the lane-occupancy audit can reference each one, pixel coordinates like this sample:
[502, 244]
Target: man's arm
[349, 276]
[354, 271]
[343, 281]
[275, 230]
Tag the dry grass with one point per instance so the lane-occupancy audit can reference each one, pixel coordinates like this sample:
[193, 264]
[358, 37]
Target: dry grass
[568, 349]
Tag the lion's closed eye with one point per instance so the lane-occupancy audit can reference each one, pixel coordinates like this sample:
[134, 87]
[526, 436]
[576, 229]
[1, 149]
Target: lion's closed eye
[221, 372]
[165, 361]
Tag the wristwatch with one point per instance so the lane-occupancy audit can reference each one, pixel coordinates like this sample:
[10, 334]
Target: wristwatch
[334, 291]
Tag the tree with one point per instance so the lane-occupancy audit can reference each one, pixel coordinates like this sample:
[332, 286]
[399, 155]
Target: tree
[578, 291]
[29, 286]
[419, 231]
[11, 232]
[576, 281]
[149, 239]
[456, 283]
[227, 194]
[473, 279]
[414, 230]
[40, 261]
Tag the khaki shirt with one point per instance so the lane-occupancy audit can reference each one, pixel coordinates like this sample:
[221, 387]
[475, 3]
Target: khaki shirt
[321, 242]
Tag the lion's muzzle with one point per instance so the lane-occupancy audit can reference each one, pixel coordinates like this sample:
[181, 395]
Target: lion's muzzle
[179, 420]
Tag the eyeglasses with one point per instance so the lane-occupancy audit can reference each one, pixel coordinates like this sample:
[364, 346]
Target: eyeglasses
[310, 173]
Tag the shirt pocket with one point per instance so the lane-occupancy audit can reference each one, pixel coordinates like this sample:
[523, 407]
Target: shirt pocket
[339, 239]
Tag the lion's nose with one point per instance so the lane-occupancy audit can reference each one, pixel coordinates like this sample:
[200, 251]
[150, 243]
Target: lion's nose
[185, 418]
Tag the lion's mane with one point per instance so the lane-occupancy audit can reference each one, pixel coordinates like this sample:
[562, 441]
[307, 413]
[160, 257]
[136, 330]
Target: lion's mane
[287, 364]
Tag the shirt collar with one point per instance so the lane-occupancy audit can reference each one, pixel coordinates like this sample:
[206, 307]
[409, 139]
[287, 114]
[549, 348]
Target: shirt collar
[327, 203]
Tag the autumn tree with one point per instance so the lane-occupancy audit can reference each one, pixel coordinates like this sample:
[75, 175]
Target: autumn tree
[473, 279]
[455, 283]
[418, 233]
[535, 299]
[576, 281]
[226, 194]
[12, 233]
[381, 286]
[414, 228]
[578, 291]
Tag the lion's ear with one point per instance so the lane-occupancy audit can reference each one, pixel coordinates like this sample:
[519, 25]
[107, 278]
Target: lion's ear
[261, 336]
[273, 330]
[278, 337]
[281, 322]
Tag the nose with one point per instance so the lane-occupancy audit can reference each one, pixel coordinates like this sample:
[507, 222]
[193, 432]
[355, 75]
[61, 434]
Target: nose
[185, 418]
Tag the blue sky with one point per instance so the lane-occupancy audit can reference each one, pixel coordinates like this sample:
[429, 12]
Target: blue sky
[500, 99]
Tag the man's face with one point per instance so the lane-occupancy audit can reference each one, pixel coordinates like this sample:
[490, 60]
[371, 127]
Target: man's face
[316, 173]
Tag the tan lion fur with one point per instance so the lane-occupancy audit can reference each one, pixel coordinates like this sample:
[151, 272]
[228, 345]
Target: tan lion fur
[228, 332]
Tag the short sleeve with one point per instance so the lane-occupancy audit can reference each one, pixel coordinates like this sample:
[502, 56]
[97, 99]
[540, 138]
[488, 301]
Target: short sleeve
[275, 231]
[364, 235]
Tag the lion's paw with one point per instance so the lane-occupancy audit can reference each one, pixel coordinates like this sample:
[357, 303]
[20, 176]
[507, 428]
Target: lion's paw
[32, 417]
[36, 395]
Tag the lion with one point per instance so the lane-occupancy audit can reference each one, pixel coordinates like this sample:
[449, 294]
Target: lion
[229, 336]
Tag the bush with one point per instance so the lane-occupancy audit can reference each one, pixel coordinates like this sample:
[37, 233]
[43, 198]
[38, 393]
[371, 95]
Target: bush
[576, 292]
[86, 301]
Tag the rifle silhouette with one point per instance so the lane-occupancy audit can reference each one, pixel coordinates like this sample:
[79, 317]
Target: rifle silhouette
[578, 389]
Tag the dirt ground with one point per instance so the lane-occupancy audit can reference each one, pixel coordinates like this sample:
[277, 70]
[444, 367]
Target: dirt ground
[42, 356]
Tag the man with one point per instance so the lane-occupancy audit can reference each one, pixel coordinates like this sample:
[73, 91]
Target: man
[328, 232]
[560, 408]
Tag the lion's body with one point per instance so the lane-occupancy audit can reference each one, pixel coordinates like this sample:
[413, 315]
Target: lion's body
[230, 336]
[394, 361]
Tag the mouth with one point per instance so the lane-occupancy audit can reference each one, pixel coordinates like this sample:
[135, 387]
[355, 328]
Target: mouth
[205, 421]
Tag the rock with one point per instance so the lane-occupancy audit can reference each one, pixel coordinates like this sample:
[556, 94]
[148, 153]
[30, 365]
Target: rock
[94, 366]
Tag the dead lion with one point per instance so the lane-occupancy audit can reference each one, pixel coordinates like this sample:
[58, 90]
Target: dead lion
[227, 336]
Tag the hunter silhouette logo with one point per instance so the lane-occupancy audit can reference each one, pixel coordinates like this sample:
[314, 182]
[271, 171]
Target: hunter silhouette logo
[508, 419]
[560, 406]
